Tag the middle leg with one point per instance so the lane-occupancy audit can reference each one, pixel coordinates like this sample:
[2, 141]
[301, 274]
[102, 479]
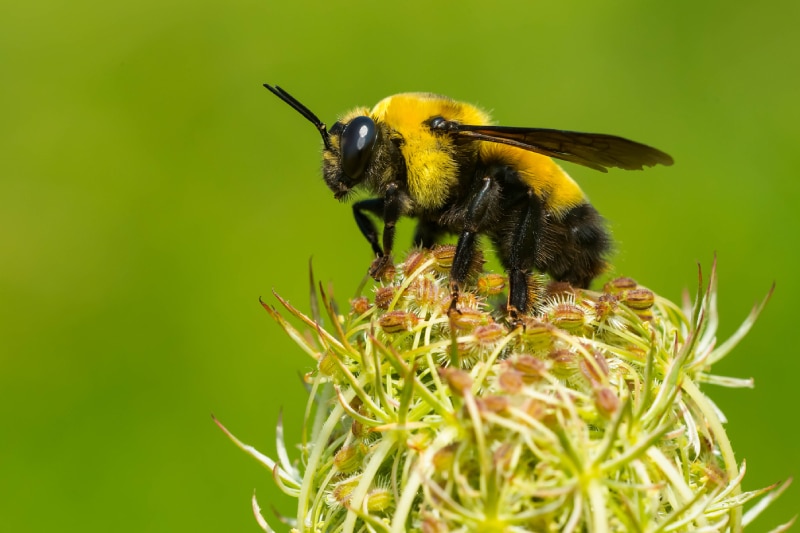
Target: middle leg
[479, 215]
[524, 248]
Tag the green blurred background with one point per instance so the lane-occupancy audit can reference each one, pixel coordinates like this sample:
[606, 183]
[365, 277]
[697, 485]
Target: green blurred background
[151, 190]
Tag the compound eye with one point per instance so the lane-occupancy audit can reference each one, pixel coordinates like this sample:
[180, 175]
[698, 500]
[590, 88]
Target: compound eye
[437, 122]
[358, 140]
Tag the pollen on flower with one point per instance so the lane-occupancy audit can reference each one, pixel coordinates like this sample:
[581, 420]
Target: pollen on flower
[565, 363]
[348, 458]
[397, 321]
[384, 296]
[468, 319]
[360, 305]
[510, 382]
[585, 415]
[340, 492]
[425, 292]
[534, 409]
[530, 368]
[641, 302]
[379, 499]
[444, 254]
[415, 259]
[444, 459]
[491, 284]
[639, 299]
[619, 285]
[328, 365]
[566, 314]
[466, 301]
[595, 369]
[420, 440]
[538, 335]
[489, 334]
[459, 381]
[604, 308]
[606, 400]
[493, 403]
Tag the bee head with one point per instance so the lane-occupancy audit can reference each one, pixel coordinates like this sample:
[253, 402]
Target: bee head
[348, 147]
[346, 161]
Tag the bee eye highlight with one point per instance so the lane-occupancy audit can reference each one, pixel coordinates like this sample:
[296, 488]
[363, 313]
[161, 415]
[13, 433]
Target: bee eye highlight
[358, 140]
[436, 122]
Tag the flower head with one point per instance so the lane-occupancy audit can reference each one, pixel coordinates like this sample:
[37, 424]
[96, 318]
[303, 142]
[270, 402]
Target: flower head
[585, 416]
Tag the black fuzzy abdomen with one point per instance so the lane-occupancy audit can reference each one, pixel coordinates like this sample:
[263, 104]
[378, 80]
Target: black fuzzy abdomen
[572, 247]
[578, 244]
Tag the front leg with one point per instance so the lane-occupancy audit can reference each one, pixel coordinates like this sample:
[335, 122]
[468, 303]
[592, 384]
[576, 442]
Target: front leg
[391, 214]
[365, 224]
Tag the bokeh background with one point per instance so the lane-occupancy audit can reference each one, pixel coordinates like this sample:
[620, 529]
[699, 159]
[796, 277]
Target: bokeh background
[151, 190]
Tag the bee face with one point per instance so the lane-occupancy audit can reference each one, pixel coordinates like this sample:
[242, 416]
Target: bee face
[351, 151]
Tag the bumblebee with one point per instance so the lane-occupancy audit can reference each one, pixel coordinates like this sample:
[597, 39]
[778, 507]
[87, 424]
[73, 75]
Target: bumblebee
[443, 162]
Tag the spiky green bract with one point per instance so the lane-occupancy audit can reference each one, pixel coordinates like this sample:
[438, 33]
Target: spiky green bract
[587, 416]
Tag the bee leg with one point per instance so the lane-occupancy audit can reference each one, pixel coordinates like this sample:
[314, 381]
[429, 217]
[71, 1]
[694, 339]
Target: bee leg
[365, 224]
[462, 260]
[485, 198]
[517, 293]
[524, 249]
[391, 213]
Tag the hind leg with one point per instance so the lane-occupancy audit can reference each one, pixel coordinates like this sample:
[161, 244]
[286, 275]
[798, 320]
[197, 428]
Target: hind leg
[523, 250]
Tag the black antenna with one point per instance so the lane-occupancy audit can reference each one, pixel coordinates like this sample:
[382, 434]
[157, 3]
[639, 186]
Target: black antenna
[303, 110]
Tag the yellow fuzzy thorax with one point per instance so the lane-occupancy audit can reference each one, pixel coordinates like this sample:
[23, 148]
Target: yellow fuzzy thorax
[432, 169]
[430, 163]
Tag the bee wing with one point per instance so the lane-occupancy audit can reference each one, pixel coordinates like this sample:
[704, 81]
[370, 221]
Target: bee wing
[594, 150]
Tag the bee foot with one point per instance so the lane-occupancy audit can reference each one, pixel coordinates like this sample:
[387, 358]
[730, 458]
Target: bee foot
[453, 309]
[513, 318]
[382, 268]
